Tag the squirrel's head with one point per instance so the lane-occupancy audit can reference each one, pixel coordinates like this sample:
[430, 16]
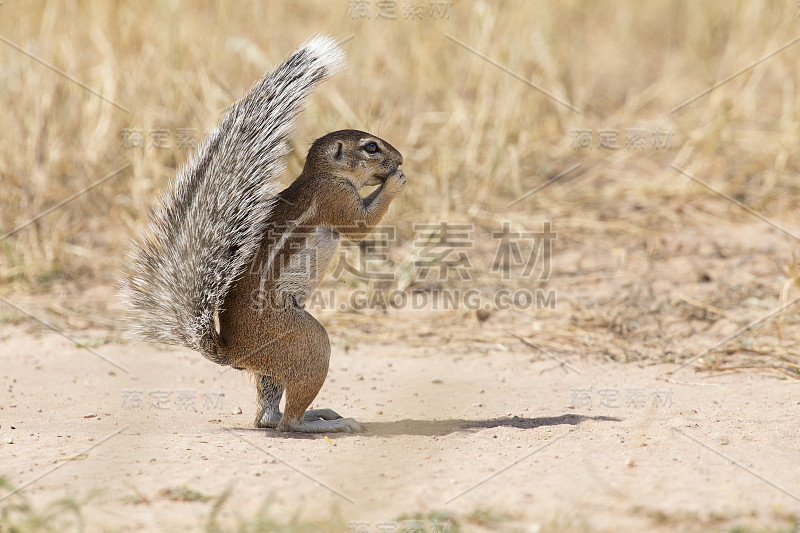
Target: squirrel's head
[359, 157]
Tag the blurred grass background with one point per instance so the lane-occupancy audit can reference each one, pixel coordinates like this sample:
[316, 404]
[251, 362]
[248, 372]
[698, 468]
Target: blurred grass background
[475, 138]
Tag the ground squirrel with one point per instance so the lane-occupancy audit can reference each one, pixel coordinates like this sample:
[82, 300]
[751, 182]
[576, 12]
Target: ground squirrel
[223, 246]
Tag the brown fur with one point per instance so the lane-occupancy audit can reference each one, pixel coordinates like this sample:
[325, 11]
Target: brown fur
[263, 326]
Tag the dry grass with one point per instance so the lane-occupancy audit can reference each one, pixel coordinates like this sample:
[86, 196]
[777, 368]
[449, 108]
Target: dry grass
[475, 138]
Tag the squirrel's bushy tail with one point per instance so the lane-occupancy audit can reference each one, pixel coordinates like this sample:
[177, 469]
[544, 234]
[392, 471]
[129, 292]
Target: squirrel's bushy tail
[208, 224]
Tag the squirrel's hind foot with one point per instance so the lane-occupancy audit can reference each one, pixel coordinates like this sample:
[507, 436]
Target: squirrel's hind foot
[271, 420]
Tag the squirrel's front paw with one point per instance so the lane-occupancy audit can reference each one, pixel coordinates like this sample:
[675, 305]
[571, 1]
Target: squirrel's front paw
[396, 183]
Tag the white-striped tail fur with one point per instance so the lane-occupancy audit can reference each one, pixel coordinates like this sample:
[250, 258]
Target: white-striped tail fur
[209, 222]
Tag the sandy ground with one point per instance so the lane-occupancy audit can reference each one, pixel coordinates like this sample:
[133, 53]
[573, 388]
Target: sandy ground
[569, 445]
[590, 427]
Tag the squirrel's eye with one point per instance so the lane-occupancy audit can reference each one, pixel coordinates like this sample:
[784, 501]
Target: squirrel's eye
[371, 148]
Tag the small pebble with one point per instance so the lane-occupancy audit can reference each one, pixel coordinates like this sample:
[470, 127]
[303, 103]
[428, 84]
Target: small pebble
[237, 411]
[436, 380]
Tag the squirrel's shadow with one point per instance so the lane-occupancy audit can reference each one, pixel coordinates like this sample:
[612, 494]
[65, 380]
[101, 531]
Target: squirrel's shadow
[438, 428]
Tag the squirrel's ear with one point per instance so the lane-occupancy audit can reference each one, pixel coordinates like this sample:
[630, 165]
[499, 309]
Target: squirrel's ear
[338, 155]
